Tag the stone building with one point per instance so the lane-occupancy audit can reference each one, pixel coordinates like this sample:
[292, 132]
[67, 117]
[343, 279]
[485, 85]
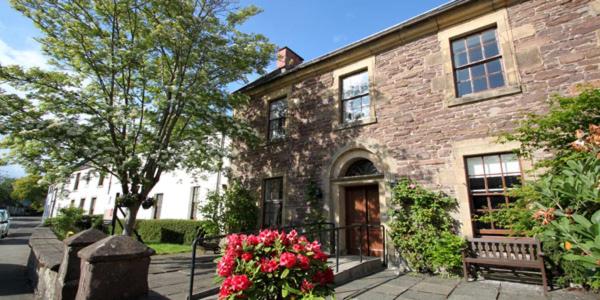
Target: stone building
[424, 99]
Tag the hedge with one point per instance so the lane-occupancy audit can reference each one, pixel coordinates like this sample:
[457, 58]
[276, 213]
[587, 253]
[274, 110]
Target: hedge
[167, 230]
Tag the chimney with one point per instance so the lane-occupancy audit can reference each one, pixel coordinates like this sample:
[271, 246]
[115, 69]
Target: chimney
[286, 58]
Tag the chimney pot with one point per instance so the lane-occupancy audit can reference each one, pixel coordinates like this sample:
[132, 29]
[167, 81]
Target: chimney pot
[286, 58]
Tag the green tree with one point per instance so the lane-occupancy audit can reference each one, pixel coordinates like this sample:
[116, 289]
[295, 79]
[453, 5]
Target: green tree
[32, 188]
[136, 88]
[6, 187]
[234, 210]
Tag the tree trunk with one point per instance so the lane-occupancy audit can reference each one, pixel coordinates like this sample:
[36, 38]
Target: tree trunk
[130, 219]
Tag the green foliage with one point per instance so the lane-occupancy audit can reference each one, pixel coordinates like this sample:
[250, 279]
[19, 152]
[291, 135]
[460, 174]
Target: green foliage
[5, 191]
[31, 187]
[71, 220]
[234, 210]
[580, 239]
[553, 132]
[135, 89]
[167, 231]
[552, 207]
[313, 198]
[423, 230]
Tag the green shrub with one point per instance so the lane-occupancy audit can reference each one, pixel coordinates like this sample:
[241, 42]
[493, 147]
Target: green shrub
[423, 231]
[72, 219]
[235, 210]
[168, 231]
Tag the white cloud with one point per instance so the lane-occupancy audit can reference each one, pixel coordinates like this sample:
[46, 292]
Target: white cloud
[26, 57]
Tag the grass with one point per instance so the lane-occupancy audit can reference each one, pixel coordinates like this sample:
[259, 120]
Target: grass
[164, 248]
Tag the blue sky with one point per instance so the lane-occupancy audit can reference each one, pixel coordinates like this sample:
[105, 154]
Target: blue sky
[309, 27]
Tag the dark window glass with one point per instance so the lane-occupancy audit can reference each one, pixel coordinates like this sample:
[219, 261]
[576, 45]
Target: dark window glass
[361, 167]
[273, 202]
[356, 103]
[489, 179]
[477, 63]
[76, 186]
[92, 206]
[277, 115]
[101, 179]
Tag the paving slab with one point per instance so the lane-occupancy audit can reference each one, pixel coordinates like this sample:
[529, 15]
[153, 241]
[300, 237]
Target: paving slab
[476, 291]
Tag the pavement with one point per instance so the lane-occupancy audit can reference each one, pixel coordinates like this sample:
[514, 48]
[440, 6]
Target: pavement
[14, 252]
[390, 285]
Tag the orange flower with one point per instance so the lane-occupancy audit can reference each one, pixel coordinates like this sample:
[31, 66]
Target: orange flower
[568, 246]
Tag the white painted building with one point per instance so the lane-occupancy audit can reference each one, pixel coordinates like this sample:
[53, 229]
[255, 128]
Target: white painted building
[178, 194]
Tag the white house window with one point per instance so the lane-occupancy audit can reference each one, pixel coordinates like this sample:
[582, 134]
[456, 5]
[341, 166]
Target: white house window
[356, 104]
[273, 202]
[477, 63]
[490, 177]
[277, 114]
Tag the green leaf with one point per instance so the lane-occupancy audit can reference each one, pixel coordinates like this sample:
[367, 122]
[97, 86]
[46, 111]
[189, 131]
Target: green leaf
[596, 217]
[285, 273]
[284, 292]
[582, 220]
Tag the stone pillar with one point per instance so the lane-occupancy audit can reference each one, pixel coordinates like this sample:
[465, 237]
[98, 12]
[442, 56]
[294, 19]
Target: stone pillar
[68, 273]
[114, 268]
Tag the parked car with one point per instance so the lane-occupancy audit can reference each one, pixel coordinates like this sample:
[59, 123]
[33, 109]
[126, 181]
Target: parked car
[4, 223]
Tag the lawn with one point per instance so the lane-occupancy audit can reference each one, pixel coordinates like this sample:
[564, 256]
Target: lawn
[164, 248]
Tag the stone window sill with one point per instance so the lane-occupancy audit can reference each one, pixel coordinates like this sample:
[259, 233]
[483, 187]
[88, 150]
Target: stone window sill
[358, 123]
[485, 95]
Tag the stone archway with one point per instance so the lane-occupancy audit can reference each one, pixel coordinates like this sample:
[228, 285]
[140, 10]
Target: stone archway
[352, 170]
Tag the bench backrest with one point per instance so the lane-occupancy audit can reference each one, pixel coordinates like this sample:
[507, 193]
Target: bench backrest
[502, 248]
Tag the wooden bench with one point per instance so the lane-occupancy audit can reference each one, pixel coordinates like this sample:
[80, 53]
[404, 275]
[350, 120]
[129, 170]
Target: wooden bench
[505, 252]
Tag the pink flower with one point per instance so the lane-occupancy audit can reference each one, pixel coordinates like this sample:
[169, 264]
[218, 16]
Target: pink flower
[298, 248]
[234, 284]
[268, 265]
[252, 240]
[268, 237]
[320, 256]
[303, 262]
[247, 256]
[288, 260]
[307, 286]
[225, 266]
[292, 237]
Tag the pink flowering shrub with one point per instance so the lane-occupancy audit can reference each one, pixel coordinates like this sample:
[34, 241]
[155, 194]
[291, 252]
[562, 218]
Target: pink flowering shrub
[274, 265]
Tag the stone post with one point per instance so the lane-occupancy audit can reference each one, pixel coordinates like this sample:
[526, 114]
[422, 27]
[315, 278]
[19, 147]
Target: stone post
[114, 268]
[68, 273]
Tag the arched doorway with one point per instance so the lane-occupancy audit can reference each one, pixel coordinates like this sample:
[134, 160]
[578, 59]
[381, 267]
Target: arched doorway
[362, 207]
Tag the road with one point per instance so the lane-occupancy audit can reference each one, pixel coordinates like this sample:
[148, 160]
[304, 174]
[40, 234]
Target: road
[13, 260]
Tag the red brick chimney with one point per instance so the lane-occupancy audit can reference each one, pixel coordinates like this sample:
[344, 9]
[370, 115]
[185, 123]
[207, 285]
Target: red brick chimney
[286, 58]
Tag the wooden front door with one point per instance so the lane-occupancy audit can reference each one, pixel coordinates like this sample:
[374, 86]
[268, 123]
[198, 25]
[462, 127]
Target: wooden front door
[362, 207]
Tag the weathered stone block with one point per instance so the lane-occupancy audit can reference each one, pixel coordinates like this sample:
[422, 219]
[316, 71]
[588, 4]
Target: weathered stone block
[115, 267]
[68, 274]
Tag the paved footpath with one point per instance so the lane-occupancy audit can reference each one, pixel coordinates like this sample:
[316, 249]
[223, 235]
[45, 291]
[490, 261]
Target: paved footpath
[14, 252]
[388, 285]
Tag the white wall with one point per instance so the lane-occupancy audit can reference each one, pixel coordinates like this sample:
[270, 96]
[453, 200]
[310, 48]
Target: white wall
[176, 187]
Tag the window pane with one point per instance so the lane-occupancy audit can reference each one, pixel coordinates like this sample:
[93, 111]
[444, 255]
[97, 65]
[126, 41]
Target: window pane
[496, 80]
[480, 202]
[458, 46]
[488, 36]
[278, 109]
[473, 42]
[492, 164]
[460, 59]
[511, 181]
[498, 201]
[490, 50]
[464, 88]
[475, 166]
[475, 54]
[273, 200]
[477, 71]
[479, 84]
[476, 184]
[493, 66]
[355, 85]
[495, 184]
[462, 75]
[273, 189]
